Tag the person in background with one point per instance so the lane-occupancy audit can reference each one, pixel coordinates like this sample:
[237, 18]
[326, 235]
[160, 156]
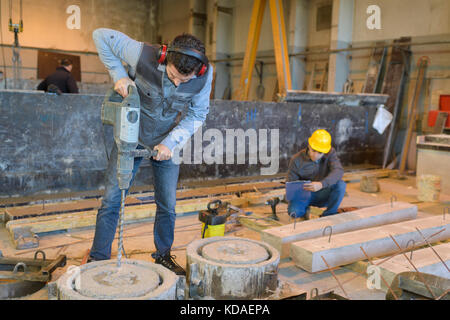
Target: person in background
[319, 164]
[60, 81]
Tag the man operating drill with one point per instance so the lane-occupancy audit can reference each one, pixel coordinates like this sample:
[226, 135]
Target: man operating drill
[174, 84]
[319, 165]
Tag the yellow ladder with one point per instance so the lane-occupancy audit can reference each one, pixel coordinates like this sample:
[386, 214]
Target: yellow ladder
[280, 48]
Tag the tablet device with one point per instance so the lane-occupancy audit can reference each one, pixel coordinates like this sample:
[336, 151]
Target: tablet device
[295, 191]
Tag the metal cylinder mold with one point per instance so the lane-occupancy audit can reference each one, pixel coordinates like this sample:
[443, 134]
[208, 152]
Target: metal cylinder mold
[103, 280]
[231, 268]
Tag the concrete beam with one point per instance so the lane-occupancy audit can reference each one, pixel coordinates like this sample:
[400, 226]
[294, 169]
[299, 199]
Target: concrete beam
[282, 237]
[346, 248]
[425, 260]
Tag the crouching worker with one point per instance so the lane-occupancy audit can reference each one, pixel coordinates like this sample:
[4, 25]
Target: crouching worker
[320, 165]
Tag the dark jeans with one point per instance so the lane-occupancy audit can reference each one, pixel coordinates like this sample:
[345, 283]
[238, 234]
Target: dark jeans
[330, 197]
[165, 178]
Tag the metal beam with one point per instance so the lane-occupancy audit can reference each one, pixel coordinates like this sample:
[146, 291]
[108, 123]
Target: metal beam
[250, 50]
[280, 46]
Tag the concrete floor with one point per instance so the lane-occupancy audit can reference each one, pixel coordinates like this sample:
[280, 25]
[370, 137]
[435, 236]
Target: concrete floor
[138, 242]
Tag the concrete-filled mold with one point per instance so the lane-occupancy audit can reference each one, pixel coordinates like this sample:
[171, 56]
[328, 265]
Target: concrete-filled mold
[103, 280]
[231, 268]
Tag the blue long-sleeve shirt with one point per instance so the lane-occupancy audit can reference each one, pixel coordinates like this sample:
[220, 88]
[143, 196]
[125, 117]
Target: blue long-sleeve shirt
[114, 48]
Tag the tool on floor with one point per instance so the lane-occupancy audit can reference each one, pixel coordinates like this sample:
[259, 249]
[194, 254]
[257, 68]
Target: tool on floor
[123, 114]
[273, 204]
[213, 219]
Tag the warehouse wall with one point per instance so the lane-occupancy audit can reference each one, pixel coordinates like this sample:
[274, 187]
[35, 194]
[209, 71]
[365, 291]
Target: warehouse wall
[423, 21]
[225, 35]
[46, 26]
[173, 22]
[53, 144]
[413, 18]
[156, 20]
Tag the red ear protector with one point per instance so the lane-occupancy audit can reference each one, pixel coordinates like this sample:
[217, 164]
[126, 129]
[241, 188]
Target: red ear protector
[163, 50]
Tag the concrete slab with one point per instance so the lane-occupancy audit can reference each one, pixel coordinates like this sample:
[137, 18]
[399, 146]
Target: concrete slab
[282, 237]
[346, 248]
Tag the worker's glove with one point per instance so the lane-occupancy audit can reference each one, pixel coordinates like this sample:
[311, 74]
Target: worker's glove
[313, 186]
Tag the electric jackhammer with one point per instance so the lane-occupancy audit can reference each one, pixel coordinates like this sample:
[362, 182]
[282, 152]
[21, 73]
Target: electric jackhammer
[124, 114]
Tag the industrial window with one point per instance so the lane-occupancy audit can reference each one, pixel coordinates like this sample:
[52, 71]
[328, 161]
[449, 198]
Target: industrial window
[323, 17]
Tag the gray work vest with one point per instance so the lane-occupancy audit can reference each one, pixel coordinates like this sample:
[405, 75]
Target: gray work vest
[159, 114]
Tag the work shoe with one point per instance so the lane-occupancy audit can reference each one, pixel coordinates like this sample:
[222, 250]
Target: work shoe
[169, 262]
[307, 215]
[90, 259]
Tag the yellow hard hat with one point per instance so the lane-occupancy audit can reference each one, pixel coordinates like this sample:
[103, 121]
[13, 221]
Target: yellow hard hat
[320, 141]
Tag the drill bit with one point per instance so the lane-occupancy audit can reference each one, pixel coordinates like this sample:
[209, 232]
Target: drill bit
[121, 220]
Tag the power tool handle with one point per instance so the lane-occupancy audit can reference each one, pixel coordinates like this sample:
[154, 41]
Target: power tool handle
[153, 153]
[114, 96]
[141, 153]
[217, 202]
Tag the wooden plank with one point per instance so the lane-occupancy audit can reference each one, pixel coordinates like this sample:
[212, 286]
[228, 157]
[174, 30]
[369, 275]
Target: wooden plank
[412, 113]
[357, 176]
[393, 85]
[35, 210]
[137, 189]
[324, 78]
[133, 213]
[311, 78]
[282, 237]
[375, 67]
[20, 212]
[439, 125]
[345, 248]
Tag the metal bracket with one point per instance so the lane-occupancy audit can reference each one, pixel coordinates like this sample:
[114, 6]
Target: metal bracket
[20, 264]
[393, 199]
[314, 293]
[30, 269]
[331, 232]
[24, 238]
[412, 249]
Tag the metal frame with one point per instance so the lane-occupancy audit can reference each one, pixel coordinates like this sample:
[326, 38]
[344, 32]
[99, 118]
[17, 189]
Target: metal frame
[28, 269]
[280, 47]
